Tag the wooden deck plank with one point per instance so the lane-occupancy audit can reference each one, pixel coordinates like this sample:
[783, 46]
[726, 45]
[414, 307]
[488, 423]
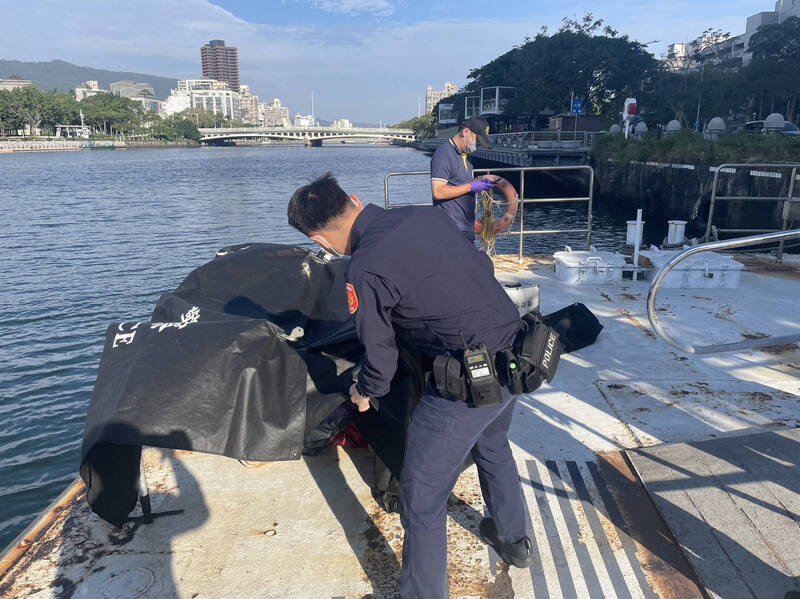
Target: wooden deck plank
[729, 508]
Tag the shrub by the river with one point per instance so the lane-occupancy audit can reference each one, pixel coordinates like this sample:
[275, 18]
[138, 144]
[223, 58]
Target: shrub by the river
[689, 147]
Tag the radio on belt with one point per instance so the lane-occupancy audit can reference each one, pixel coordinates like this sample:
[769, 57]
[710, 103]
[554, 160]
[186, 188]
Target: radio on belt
[481, 375]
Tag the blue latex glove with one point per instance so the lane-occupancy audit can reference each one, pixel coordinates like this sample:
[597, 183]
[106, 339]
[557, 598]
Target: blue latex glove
[480, 185]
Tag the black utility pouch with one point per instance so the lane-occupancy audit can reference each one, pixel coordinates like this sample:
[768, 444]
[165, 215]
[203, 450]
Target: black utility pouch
[486, 393]
[512, 378]
[450, 381]
[539, 350]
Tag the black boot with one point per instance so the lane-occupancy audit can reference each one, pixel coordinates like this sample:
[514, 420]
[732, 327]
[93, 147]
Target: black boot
[517, 554]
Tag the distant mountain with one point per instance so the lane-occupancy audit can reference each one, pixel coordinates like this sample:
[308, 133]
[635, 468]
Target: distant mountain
[64, 76]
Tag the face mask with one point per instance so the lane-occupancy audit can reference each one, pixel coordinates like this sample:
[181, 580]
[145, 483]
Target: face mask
[470, 147]
[327, 247]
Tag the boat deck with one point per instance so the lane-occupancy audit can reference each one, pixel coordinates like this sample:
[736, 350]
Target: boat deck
[311, 528]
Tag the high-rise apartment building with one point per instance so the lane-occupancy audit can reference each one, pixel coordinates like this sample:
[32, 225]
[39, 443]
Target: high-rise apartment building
[248, 104]
[432, 96]
[221, 62]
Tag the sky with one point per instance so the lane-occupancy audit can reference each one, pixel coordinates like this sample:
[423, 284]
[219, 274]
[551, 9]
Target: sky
[367, 60]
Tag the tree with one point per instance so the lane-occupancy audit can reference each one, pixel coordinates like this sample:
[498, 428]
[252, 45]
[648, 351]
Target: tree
[583, 59]
[423, 126]
[8, 119]
[777, 42]
[64, 109]
[203, 118]
[27, 106]
[775, 69]
[187, 130]
[107, 112]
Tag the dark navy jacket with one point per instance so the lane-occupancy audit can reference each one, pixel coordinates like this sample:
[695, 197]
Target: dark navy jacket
[414, 273]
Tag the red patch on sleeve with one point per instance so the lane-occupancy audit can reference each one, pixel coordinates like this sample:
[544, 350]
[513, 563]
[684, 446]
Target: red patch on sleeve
[352, 298]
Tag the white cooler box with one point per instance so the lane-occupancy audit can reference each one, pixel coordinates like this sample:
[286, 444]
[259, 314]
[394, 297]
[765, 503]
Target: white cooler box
[525, 297]
[706, 270]
[588, 268]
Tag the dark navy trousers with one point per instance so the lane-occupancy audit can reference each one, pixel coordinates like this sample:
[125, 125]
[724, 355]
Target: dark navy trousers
[441, 435]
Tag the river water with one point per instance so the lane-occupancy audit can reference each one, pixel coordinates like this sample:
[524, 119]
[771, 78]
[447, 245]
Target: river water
[95, 237]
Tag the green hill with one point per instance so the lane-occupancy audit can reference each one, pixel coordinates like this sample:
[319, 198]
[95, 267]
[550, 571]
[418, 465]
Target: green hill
[64, 76]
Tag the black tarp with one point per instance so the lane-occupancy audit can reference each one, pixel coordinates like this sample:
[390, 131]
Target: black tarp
[245, 358]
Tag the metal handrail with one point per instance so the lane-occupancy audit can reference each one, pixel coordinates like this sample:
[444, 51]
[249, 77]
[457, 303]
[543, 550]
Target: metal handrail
[522, 200]
[787, 200]
[652, 314]
[528, 139]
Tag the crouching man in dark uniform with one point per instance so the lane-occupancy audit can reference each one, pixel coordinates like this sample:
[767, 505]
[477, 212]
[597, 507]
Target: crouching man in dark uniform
[414, 274]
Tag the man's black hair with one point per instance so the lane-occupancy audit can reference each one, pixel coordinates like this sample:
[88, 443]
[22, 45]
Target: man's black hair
[315, 205]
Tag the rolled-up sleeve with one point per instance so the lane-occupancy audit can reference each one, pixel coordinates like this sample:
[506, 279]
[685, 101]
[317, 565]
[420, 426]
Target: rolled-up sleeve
[376, 298]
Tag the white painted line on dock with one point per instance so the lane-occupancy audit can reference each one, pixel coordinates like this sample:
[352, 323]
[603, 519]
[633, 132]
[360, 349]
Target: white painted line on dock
[545, 565]
[626, 562]
[581, 551]
[587, 533]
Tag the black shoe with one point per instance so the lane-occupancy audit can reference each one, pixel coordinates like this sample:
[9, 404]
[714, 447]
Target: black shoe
[517, 554]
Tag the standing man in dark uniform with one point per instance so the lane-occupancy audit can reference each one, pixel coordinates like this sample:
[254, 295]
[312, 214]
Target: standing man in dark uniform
[452, 184]
[413, 274]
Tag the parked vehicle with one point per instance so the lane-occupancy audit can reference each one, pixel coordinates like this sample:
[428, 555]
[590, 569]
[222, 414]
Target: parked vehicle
[789, 128]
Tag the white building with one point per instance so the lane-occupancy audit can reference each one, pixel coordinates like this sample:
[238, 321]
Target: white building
[433, 96]
[677, 54]
[13, 82]
[249, 105]
[206, 94]
[342, 124]
[303, 120]
[149, 103]
[88, 89]
[132, 89]
[734, 49]
[176, 102]
[273, 114]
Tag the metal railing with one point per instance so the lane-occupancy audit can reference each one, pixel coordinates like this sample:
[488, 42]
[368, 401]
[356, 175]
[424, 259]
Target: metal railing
[787, 200]
[588, 198]
[652, 314]
[544, 140]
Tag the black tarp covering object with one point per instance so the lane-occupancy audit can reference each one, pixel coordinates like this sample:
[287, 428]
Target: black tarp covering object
[245, 359]
[215, 372]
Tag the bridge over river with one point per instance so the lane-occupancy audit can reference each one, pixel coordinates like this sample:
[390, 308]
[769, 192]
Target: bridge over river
[309, 135]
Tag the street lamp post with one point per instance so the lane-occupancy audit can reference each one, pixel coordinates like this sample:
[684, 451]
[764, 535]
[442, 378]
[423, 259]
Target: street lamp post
[699, 97]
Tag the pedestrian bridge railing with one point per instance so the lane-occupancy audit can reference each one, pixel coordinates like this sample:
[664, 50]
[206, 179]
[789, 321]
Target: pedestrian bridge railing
[522, 233]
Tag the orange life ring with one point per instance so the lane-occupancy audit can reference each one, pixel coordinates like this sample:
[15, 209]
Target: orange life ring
[512, 207]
